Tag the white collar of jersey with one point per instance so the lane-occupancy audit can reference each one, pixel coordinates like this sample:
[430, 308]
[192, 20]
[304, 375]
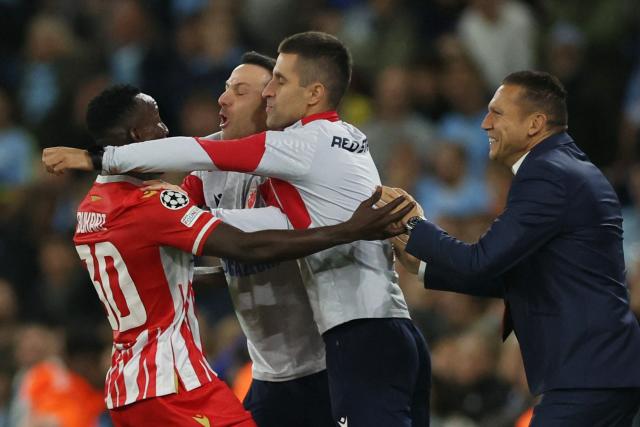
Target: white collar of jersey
[106, 179]
[330, 115]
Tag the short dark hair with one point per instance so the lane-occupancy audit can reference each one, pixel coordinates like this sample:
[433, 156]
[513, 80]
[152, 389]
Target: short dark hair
[108, 109]
[255, 58]
[544, 92]
[325, 59]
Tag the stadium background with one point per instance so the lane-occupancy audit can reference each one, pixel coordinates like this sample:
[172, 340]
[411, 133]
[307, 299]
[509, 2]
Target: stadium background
[424, 71]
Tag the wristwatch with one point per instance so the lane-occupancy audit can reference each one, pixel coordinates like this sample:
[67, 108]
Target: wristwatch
[412, 222]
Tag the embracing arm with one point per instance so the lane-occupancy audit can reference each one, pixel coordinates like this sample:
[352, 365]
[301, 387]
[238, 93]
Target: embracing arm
[277, 154]
[367, 223]
[534, 214]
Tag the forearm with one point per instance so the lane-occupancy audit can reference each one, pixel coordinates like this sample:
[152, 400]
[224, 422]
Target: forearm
[176, 154]
[280, 245]
[448, 280]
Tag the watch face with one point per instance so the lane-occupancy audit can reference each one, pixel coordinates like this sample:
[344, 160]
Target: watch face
[412, 222]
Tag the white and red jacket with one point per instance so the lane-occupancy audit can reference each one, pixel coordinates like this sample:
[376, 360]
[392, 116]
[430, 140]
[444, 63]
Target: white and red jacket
[320, 170]
[270, 299]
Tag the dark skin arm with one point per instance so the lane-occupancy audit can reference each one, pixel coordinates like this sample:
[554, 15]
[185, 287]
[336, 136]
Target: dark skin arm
[366, 223]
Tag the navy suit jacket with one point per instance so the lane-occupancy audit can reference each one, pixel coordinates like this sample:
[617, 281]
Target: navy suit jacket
[555, 256]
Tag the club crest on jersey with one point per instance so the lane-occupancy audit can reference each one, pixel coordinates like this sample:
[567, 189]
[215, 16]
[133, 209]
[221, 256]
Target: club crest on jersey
[174, 200]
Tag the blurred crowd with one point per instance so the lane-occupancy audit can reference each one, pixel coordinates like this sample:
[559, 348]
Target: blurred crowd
[424, 71]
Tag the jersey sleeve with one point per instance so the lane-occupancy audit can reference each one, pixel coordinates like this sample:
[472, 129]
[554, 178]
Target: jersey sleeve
[279, 154]
[192, 184]
[176, 154]
[268, 218]
[170, 218]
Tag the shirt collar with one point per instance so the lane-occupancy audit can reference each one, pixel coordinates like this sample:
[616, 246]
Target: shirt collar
[330, 115]
[518, 163]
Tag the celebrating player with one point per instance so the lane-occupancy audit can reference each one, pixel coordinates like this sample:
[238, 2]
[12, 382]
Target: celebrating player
[289, 387]
[137, 248]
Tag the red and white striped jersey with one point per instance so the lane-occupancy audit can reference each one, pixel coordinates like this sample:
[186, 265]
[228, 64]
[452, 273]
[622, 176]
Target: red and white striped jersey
[320, 170]
[138, 250]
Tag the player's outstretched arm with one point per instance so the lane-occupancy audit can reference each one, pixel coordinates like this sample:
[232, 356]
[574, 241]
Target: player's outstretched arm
[366, 223]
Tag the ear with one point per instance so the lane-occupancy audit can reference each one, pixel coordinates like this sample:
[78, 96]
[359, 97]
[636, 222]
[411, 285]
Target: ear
[537, 123]
[134, 135]
[316, 93]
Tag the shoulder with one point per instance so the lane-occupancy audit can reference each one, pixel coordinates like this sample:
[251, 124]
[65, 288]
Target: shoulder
[550, 163]
[163, 200]
[542, 175]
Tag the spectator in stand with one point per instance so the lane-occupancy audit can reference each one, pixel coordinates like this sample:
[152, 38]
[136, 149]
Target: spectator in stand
[394, 121]
[451, 192]
[64, 392]
[380, 34]
[500, 36]
[464, 91]
[16, 148]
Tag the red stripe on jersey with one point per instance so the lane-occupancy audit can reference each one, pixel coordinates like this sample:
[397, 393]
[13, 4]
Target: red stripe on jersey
[194, 353]
[108, 384]
[194, 188]
[285, 196]
[148, 359]
[331, 115]
[142, 378]
[121, 388]
[240, 155]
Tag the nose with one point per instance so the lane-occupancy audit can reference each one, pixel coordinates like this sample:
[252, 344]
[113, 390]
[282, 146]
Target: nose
[486, 122]
[268, 91]
[224, 98]
[164, 128]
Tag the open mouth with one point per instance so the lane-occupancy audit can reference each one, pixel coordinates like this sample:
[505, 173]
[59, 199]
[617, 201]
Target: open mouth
[224, 120]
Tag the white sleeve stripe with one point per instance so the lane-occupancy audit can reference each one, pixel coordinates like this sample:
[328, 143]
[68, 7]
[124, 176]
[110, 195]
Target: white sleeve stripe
[201, 234]
[421, 270]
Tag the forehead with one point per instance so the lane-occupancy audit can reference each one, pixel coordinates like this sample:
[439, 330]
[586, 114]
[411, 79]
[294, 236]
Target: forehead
[250, 74]
[144, 100]
[506, 95]
[146, 108]
[286, 64]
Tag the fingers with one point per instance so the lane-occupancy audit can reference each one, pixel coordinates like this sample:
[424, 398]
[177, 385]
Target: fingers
[58, 159]
[374, 197]
[50, 160]
[388, 194]
[397, 216]
[55, 167]
[393, 230]
[391, 206]
[400, 242]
